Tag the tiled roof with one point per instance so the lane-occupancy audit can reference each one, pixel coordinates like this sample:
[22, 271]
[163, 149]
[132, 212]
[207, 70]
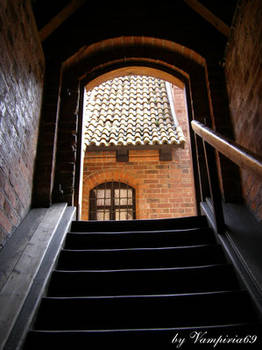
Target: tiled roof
[130, 110]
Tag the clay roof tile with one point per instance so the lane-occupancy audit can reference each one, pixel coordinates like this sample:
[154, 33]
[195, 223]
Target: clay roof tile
[131, 110]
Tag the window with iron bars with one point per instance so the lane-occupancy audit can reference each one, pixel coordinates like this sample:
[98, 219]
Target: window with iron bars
[112, 201]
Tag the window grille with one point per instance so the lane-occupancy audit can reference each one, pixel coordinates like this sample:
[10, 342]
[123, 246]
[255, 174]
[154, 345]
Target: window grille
[112, 201]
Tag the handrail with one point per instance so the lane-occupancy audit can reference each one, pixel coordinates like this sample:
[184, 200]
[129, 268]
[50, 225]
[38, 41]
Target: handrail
[230, 149]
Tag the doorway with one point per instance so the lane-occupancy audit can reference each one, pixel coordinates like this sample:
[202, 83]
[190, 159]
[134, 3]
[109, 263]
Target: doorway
[136, 132]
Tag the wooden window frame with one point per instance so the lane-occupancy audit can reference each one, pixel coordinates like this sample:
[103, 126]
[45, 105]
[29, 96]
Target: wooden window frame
[113, 207]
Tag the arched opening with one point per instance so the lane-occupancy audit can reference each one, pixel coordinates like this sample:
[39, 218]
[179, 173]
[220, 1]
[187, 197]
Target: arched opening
[136, 129]
[108, 59]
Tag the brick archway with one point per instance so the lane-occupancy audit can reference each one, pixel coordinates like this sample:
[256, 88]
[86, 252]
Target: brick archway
[107, 58]
[99, 177]
[137, 70]
[98, 58]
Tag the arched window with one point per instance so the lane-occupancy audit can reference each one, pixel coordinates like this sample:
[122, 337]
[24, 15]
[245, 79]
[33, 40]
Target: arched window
[112, 201]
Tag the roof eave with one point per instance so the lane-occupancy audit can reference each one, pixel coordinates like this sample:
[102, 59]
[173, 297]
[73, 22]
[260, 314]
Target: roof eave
[102, 148]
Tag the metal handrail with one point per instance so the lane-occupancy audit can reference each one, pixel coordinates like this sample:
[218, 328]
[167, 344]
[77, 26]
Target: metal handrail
[238, 154]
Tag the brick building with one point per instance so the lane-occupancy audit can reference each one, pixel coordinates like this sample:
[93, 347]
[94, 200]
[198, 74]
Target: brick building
[54, 51]
[151, 156]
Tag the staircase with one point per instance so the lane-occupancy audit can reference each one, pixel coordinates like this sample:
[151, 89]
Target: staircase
[140, 283]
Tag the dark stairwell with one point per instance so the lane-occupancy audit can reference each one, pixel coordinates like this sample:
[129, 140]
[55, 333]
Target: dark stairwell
[169, 37]
[143, 283]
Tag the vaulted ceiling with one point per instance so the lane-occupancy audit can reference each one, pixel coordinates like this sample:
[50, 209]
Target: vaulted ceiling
[200, 25]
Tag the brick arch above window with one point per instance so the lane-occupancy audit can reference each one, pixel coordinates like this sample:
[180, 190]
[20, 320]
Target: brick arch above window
[102, 176]
[99, 177]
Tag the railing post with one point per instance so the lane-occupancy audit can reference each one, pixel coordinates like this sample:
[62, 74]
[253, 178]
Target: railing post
[201, 168]
[215, 193]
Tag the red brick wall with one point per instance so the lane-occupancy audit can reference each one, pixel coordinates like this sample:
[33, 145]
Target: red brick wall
[21, 77]
[163, 188]
[244, 81]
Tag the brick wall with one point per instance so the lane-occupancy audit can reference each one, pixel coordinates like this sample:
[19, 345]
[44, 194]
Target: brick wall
[244, 81]
[21, 77]
[163, 188]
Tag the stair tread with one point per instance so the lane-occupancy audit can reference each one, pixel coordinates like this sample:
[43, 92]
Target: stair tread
[177, 223]
[141, 232]
[100, 282]
[193, 309]
[142, 338]
[132, 330]
[83, 240]
[140, 257]
[139, 296]
[193, 267]
[215, 246]
[240, 292]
